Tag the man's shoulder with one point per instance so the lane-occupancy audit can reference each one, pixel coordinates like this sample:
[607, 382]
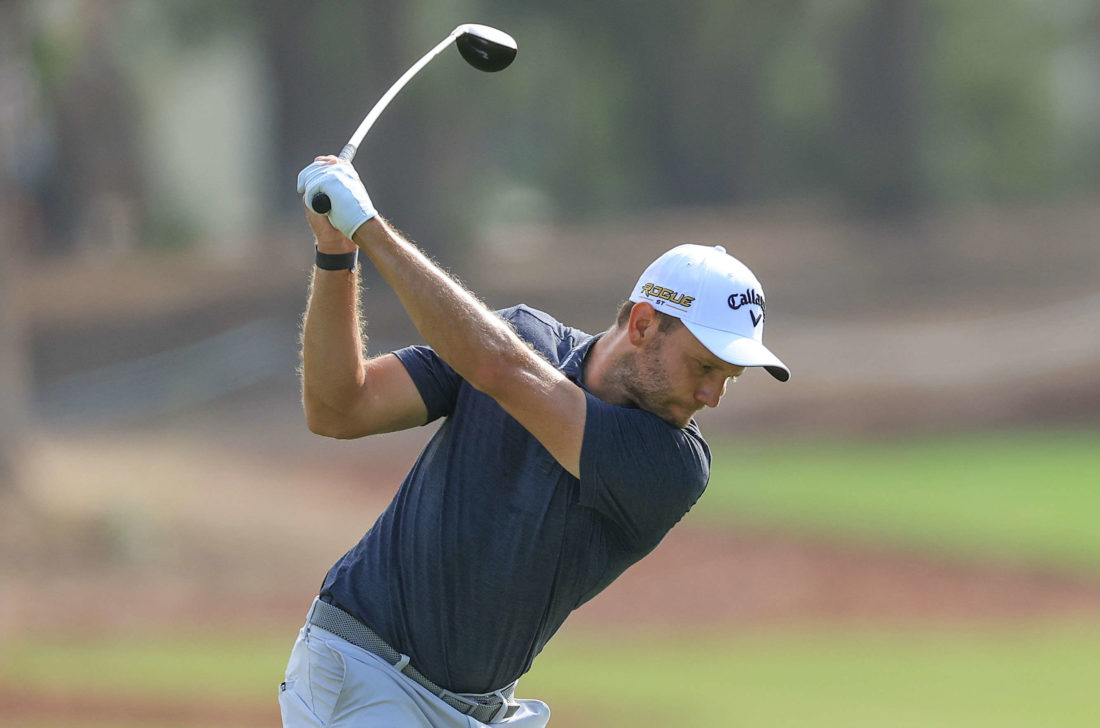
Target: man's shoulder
[523, 316]
[538, 328]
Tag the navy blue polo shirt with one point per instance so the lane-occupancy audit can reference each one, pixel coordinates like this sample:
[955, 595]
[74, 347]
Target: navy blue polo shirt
[489, 544]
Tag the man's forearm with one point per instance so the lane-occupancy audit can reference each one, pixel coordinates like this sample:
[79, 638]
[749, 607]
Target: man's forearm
[468, 336]
[332, 346]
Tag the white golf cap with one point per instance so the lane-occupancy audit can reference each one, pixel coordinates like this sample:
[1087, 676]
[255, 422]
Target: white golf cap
[718, 299]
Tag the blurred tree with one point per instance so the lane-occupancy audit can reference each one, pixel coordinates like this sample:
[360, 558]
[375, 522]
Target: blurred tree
[15, 119]
[880, 122]
[636, 105]
[1075, 98]
[612, 107]
[705, 122]
[93, 192]
[991, 112]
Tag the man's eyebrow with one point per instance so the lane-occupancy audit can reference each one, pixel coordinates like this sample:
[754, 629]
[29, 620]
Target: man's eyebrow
[710, 360]
[723, 364]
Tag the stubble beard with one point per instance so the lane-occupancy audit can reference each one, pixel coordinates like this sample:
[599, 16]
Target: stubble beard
[643, 381]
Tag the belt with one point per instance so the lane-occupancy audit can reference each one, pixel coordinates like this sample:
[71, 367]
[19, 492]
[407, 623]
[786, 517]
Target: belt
[484, 708]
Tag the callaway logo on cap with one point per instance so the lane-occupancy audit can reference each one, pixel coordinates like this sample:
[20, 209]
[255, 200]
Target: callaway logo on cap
[718, 299]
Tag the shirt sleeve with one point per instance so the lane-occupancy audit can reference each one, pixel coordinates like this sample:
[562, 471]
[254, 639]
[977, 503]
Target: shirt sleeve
[436, 381]
[639, 471]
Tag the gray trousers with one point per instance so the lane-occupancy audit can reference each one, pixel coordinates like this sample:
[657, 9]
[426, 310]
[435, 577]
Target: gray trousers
[331, 683]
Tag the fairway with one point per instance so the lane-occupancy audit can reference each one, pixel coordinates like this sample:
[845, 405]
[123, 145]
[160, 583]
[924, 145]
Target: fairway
[853, 677]
[1025, 496]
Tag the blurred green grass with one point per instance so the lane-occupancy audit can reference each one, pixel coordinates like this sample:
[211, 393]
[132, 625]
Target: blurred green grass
[1030, 496]
[159, 666]
[852, 676]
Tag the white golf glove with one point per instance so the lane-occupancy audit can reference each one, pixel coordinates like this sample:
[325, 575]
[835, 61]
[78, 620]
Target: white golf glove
[351, 206]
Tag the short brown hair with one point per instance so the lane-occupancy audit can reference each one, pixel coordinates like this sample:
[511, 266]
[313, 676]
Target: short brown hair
[664, 321]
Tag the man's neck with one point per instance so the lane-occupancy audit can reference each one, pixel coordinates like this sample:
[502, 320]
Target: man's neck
[599, 360]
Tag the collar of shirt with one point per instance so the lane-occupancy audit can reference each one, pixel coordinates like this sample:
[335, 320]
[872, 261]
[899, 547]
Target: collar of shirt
[573, 364]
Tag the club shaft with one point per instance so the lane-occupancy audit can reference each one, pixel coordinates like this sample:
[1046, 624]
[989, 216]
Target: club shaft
[348, 152]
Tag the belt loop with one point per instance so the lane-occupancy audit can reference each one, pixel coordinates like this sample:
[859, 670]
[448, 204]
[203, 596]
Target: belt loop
[401, 664]
[470, 705]
[502, 713]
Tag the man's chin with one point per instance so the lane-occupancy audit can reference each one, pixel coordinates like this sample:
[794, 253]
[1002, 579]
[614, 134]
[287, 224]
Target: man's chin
[676, 417]
[673, 414]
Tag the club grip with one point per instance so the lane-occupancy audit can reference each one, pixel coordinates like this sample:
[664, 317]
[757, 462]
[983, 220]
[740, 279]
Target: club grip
[320, 202]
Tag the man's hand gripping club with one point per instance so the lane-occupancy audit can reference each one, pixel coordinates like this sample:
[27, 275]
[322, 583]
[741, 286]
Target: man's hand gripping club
[351, 206]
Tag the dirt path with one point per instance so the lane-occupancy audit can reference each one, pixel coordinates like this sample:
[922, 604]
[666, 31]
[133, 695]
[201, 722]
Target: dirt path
[745, 577]
[696, 577]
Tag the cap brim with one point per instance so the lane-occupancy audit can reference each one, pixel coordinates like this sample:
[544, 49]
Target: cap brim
[739, 350]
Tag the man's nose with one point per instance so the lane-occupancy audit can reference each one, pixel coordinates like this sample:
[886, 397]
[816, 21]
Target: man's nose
[711, 394]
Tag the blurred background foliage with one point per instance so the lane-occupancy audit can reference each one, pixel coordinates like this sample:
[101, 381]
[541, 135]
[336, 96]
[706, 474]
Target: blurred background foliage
[886, 107]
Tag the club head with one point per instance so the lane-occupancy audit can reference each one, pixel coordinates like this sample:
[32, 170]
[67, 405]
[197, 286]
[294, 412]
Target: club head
[485, 48]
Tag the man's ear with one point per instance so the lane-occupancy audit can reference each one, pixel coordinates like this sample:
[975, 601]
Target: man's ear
[643, 324]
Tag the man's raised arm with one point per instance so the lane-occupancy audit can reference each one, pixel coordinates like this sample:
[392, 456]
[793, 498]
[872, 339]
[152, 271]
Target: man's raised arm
[343, 394]
[478, 344]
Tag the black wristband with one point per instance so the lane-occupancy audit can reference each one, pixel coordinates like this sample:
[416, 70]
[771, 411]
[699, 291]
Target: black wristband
[338, 261]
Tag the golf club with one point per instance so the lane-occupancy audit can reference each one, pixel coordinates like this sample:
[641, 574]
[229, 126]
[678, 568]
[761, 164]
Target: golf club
[484, 48]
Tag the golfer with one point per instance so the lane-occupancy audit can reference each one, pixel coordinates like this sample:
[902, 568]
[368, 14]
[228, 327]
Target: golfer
[562, 459]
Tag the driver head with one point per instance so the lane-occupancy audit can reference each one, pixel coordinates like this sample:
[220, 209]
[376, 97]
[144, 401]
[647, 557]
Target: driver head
[485, 48]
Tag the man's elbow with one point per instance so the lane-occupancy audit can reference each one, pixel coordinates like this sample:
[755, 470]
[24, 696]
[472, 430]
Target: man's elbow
[501, 376]
[323, 421]
[492, 376]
